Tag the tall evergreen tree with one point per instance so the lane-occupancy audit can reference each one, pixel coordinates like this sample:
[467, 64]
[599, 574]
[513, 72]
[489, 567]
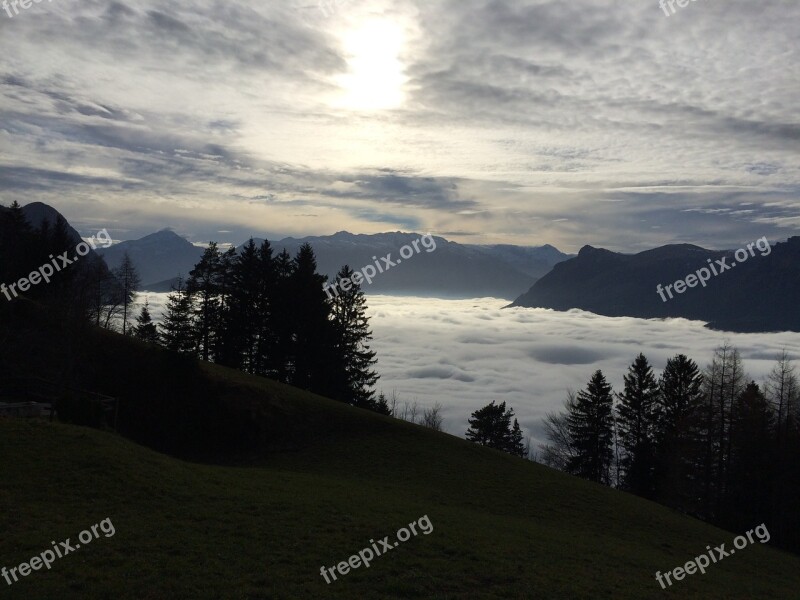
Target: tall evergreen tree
[681, 397]
[177, 328]
[221, 335]
[352, 338]
[145, 328]
[204, 287]
[241, 318]
[590, 424]
[752, 460]
[280, 350]
[516, 443]
[637, 420]
[316, 365]
[274, 304]
[783, 394]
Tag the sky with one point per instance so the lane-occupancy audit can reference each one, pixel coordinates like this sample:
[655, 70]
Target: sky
[566, 122]
[463, 354]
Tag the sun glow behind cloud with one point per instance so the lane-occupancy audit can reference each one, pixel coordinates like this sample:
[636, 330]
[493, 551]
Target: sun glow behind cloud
[375, 76]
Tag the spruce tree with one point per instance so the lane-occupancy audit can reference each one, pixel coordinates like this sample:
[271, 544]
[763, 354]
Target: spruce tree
[280, 350]
[516, 444]
[145, 329]
[177, 329]
[204, 287]
[241, 318]
[753, 462]
[353, 335]
[273, 302]
[637, 422]
[316, 366]
[590, 426]
[681, 399]
[382, 405]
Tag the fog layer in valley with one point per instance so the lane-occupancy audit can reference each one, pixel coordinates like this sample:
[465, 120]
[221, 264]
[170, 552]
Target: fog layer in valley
[465, 353]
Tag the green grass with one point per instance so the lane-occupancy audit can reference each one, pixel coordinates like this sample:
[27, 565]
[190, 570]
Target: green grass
[503, 528]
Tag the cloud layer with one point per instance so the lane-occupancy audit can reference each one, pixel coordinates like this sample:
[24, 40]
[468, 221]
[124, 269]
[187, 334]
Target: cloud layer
[465, 353]
[526, 122]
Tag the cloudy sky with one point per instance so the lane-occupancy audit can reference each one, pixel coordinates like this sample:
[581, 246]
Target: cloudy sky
[568, 122]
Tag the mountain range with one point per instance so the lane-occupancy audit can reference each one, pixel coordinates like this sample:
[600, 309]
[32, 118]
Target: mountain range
[758, 294]
[451, 270]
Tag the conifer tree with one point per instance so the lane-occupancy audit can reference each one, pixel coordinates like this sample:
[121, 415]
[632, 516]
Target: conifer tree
[590, 425]
[752, 461]
[204, 287]
[516, 444]
[681, 399]
[145, 328]
[315, 364]
[280, 349]
[353, 335]
[241, 317]
[638, 418]
[177, 329]
[491, 426]
[382, 405]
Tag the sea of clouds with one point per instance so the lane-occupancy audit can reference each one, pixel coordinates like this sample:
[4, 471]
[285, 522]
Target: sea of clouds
[465, 353]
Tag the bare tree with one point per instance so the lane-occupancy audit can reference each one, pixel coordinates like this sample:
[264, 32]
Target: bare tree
[782, 390]
[394, 401]
[129, 282]
[432, 417]
[412, 412]
[559, 450]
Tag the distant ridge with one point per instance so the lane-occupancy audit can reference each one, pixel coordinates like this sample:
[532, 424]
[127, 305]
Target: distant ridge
[452, 270]
[759, 295]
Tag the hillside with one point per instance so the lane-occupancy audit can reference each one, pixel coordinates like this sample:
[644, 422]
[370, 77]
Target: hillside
[502, 527]
[760, 293]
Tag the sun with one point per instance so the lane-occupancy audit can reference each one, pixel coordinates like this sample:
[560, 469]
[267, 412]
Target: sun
[375, 78]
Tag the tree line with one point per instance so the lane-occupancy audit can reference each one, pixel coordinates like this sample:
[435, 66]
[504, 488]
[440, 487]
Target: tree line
[267, 314]
[85, 291]
[713, 444]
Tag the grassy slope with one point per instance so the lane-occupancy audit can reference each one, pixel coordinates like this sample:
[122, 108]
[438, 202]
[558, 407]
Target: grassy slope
[503, 528]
